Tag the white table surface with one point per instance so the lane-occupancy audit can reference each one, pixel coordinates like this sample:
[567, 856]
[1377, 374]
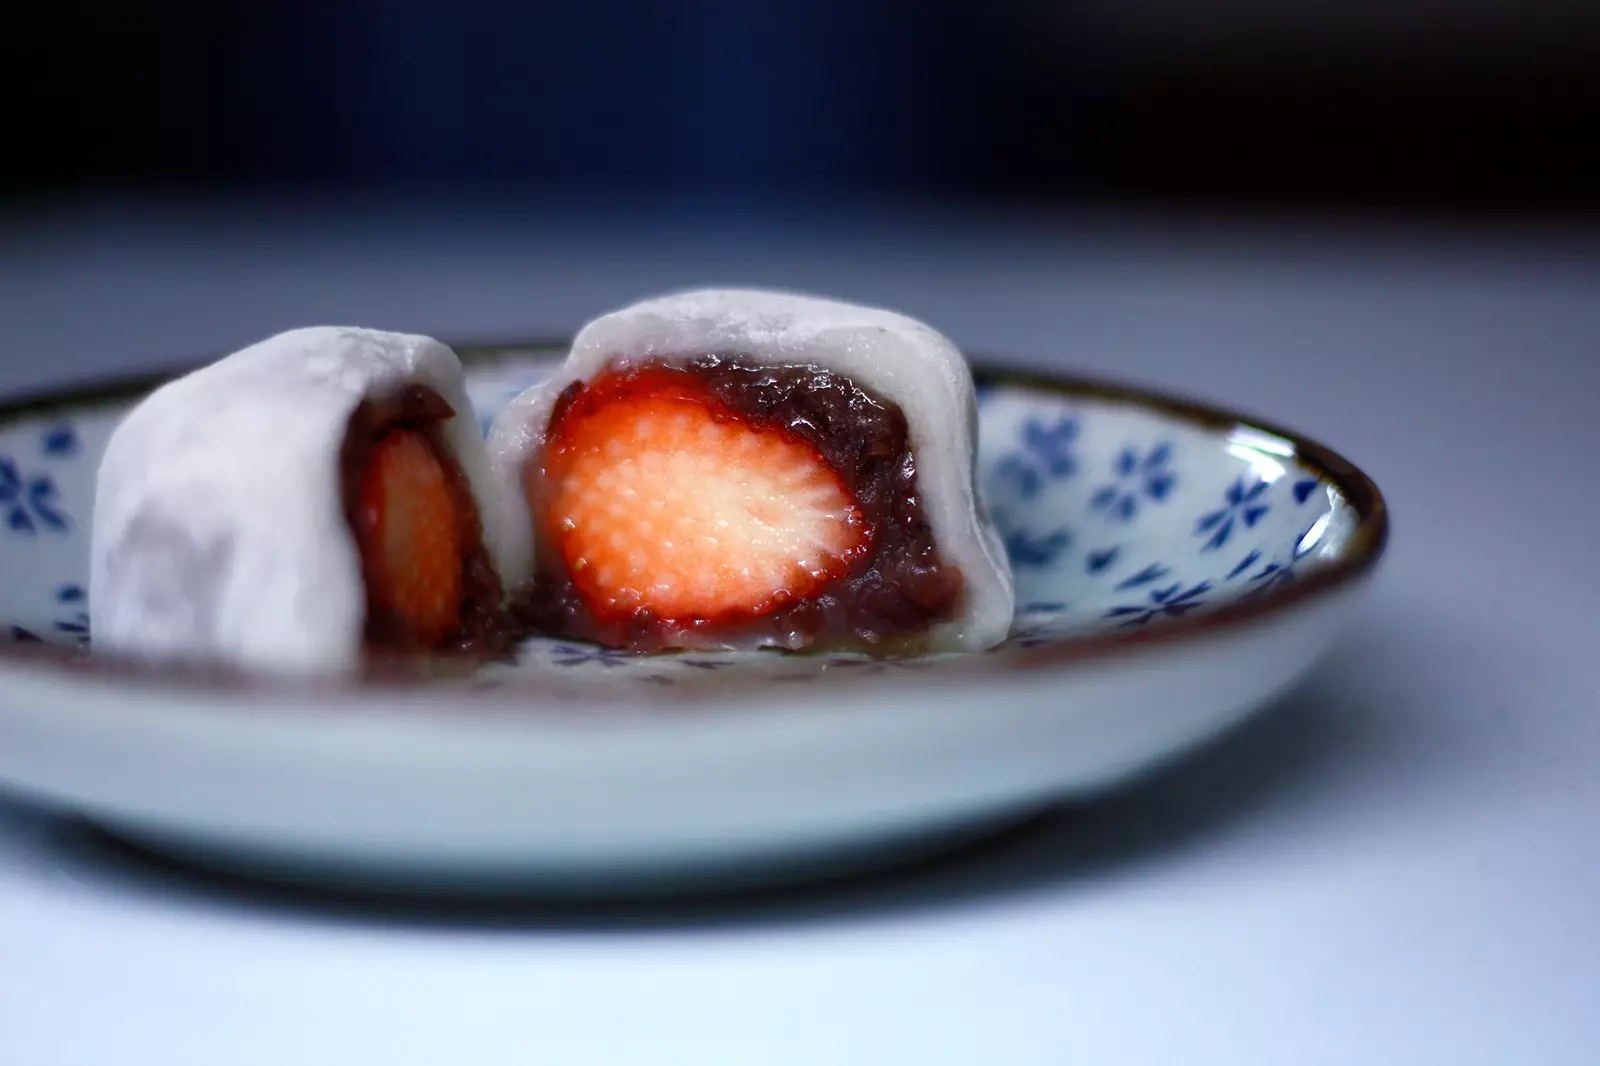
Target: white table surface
[1398, 865]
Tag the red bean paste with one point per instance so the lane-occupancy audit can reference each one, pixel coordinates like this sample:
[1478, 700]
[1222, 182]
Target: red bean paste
[485, 629]
[893, 595]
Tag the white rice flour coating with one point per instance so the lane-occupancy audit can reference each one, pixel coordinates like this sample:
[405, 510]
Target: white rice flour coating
[898, 358]
[219, 525]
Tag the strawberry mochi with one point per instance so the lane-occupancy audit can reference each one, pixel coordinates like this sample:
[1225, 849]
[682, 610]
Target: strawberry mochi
[298, 505]
[739, 468]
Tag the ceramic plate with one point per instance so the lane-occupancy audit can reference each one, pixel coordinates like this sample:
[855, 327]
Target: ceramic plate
[1176, 567]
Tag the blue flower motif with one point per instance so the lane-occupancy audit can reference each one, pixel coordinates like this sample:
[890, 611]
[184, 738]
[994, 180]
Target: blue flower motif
[1043, 607]
[29, 503]
[706, 664]
[1049, 445]
[1277, 573]
[1304, 488]
[584, 654]
[1021, 474]
[869, 666]
[60, 442]
[1153, 572]
[1098, 562]
[1174, 601]
[1244, 564]
[1026, 550]
[1271, 576]
[1147, 477]
[1033, 637]
[1241, 506]
[77, 622]
[1045, 455]
[24, 636]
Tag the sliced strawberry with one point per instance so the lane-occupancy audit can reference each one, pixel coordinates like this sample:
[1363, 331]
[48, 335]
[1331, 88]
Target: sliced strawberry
[410, 536]
[662, 501]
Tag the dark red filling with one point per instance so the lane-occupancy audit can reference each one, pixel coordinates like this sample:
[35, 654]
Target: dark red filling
[892, 595]
[484, 629]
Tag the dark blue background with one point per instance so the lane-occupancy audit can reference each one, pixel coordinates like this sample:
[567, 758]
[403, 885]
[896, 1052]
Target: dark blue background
[1364, 104]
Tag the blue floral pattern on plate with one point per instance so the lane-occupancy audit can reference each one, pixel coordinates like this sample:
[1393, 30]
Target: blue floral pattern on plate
[47, 465]
[1115, 516]
[30, 503]
[1244, 503]
[1165, 518]
[1139, 477]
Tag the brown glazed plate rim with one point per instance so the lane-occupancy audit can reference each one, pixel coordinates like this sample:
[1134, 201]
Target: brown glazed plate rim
[1360, 555]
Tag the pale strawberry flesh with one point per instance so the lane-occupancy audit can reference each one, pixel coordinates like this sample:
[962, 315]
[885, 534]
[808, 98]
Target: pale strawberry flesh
[411, 536]
[663, 501]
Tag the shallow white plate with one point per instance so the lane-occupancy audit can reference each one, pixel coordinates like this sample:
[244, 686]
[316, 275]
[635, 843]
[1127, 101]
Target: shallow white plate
[1177, 567]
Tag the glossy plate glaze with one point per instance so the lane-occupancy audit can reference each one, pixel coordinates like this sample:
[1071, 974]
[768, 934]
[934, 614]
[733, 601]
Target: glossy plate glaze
[1176, 567]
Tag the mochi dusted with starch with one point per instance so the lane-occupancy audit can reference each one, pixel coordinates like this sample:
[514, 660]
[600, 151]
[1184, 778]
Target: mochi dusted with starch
[737, 469]
[303, 504]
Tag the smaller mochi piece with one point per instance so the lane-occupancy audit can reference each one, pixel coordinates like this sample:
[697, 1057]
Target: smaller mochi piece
[295, 505]
[742, 468]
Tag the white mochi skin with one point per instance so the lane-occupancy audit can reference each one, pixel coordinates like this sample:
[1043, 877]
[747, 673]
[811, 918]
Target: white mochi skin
[219, 530]
[897, 358]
